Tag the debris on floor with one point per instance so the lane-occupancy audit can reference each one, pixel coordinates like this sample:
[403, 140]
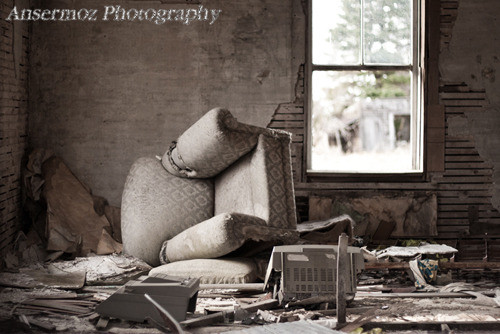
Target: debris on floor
[38, 276]
[63, 211]
[412, 251]
[301, 326]
[326, 231]
[318, 288]
[424, 272]
[381, 300]
[104, 269]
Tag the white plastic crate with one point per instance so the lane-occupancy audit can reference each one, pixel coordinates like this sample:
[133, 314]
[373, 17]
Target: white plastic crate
[303, 271]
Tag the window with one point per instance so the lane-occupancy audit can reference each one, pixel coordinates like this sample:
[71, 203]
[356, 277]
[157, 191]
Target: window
[364, 87]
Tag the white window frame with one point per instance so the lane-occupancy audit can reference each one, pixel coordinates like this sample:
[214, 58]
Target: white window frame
[417, 95]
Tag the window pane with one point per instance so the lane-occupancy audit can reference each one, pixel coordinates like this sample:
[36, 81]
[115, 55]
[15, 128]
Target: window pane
[387, 32]
[361, 121]
[336, 32]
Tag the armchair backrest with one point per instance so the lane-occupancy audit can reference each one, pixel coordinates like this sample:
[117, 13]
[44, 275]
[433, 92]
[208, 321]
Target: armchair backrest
[260, 183]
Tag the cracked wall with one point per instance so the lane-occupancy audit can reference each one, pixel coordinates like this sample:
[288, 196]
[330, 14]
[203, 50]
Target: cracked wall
[106, 93]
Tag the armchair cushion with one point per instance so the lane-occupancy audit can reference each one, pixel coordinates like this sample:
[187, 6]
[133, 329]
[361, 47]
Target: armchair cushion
[252, 199]
[221, 235]
[210, 145]
[157, 205]
[214, 271]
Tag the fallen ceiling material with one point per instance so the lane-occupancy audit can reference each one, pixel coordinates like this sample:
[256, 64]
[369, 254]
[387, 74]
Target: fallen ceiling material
[103, 269]
[64, 212]
[412, 251]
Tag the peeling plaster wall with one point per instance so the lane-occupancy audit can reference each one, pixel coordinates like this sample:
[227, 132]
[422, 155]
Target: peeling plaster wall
[106, 93]
[462, 123]
[473, 57]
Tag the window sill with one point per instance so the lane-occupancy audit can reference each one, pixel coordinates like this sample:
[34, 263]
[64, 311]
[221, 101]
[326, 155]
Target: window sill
[331, 177]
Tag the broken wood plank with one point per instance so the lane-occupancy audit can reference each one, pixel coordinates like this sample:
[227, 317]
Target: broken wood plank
[69, 295]
[350, 310]
[364, 318]
[204, 320]
[313, 300]
[342, 278]
[58, 305]
[101, 288]
[443, 265]
[229, 295]
[300, 326]
[49, 310]
[413, 295]
[432, 325]
[240, 287]
[37, 279]
[221, 316]
[262, 305]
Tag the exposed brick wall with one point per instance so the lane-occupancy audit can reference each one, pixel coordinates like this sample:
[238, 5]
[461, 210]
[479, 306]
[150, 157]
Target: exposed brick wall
[14, 49]
[463, 189]
[291, 117]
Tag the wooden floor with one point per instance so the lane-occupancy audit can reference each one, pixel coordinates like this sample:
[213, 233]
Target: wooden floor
[384, 300]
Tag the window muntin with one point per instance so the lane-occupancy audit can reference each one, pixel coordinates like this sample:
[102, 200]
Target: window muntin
[365, 87]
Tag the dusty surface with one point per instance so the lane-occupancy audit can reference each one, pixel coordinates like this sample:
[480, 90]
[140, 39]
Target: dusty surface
[400, 310]
[69, 311]
[430, 309]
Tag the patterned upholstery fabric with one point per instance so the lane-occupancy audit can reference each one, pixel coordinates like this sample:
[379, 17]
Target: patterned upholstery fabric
[157, 205]
[210, 145]
[252, 199]
[213, 271]
[260, 183]
[221, 235]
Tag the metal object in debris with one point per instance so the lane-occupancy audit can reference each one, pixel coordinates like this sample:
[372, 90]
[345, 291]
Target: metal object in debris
[170, 325]
[303, 271]
[175, 294]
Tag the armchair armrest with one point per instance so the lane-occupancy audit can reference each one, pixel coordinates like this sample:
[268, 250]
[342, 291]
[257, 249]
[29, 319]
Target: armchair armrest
[221, 235]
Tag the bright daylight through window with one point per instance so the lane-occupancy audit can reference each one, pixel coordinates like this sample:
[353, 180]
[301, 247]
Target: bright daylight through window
[365, 87]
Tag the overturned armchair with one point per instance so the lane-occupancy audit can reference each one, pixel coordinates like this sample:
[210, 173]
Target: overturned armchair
[221, 190]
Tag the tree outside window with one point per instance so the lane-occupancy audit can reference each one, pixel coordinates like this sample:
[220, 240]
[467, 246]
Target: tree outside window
[364, 86]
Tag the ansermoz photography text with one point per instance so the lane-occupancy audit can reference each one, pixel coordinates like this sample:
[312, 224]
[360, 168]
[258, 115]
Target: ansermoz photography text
[117, 13]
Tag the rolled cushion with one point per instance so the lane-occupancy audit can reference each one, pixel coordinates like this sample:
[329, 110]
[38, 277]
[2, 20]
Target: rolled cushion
[210, 145]
[221, 235]
[213, 271]
[156, 206]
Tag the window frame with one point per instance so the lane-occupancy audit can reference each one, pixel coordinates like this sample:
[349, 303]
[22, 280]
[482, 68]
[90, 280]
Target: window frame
[417, 69]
